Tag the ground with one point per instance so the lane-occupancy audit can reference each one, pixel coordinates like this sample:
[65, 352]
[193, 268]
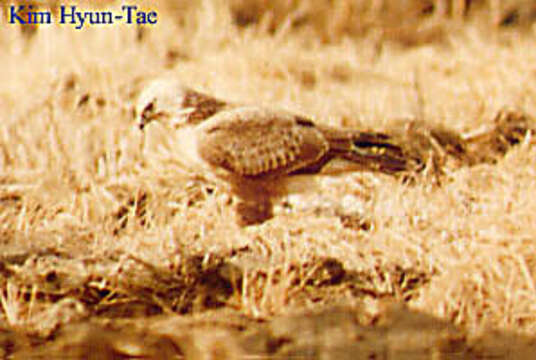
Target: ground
[109, 248]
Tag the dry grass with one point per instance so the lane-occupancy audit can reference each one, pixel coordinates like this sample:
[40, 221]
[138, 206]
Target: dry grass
[99, 232]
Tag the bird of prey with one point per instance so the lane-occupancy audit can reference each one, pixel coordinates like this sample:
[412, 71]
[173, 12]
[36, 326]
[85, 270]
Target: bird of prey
[255, 150]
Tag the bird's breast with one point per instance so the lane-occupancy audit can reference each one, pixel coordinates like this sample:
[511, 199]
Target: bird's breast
[186, 143]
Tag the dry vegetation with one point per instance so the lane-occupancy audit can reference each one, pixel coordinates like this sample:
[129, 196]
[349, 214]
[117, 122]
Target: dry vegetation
[109, 248]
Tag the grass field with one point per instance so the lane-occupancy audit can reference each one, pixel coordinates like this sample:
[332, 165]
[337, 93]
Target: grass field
[109, 248]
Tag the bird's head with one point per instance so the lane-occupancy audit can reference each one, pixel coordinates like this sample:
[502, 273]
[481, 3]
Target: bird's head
[174, 105]
[163, 101]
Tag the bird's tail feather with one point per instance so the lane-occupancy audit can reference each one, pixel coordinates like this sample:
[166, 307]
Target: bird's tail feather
[373, 150]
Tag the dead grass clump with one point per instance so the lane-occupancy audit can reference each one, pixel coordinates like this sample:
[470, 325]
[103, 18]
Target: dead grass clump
[510, 128]
[483, 295]
[115, 286]
[437, 150]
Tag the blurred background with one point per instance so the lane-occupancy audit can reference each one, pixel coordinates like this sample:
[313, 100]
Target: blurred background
[408, 21]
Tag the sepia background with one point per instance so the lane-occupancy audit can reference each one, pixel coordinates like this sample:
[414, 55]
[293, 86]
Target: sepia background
[110, 248]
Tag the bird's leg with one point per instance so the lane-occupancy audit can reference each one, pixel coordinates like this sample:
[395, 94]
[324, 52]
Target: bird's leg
[254, 205]
[253, 212]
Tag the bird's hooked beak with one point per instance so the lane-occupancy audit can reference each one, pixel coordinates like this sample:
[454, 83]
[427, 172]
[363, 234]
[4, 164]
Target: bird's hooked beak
[174, 117]
[147, 115]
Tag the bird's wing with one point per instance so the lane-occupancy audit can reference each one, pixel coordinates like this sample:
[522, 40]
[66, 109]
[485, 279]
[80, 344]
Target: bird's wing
[257, 143]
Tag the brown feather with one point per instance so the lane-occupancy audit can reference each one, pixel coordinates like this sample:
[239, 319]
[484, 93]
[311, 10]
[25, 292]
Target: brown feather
[257, 143]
